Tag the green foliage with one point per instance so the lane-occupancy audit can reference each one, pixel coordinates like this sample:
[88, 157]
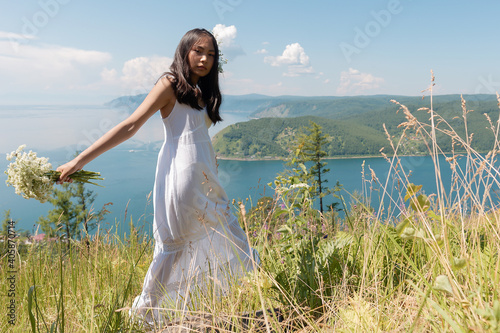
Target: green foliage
[309, 148]
[272, 138]
[309, 273]
[72, 210]
[304, 263]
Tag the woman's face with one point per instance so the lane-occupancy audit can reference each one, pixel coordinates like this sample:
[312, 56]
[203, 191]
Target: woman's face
[201, 58]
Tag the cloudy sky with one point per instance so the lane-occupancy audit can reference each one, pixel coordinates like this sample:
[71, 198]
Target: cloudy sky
[88, 52]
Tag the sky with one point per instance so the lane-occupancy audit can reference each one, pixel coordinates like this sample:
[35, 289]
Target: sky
[89, 52]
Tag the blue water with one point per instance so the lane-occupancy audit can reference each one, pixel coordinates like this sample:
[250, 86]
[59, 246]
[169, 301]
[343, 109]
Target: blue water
[129, 178]
[55, 131]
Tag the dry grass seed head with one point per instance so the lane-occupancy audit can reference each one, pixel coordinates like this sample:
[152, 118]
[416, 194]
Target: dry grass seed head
[411, 119]
[464, 106]
[374, 176]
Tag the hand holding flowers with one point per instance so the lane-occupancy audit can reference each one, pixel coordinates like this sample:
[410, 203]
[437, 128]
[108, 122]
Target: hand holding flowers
[33, 177]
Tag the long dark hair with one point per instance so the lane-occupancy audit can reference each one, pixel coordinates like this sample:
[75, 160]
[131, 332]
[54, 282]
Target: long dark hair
[185, 91]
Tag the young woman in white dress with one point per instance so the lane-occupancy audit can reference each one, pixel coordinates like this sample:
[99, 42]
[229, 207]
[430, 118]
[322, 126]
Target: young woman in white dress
[197, 238]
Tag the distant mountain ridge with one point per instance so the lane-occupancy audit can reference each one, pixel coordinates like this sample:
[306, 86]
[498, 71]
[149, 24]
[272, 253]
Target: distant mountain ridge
[359, 119]
[333, 107]
[234, 103]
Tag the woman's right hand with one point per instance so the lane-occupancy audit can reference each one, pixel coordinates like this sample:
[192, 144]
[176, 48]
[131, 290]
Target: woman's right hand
[66, 170]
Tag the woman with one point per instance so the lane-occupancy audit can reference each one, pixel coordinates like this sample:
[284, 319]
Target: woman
[197, 239]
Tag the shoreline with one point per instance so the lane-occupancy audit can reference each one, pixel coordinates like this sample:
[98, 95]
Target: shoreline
[326, 158]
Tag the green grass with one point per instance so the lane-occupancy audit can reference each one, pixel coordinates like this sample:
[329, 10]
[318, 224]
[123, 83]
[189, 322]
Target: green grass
[433, 268]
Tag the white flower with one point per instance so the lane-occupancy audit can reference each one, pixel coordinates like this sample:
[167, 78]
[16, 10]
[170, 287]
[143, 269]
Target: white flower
[33, 177]
[299, 185]
[28, 174]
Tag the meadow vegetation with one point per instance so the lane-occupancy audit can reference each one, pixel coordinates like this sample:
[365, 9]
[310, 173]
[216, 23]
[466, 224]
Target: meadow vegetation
[417, 262]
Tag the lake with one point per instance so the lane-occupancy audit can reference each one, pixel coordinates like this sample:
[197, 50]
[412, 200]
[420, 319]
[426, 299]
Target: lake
[129, 178]
[55, 131]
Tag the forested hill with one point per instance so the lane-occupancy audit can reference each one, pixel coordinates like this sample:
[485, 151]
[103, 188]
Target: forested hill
[354, 124]
[273, 137]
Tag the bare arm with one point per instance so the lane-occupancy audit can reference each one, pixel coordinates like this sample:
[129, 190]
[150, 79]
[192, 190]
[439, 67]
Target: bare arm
[162, 96]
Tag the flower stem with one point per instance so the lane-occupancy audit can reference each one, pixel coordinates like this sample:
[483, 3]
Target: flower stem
[82, 176]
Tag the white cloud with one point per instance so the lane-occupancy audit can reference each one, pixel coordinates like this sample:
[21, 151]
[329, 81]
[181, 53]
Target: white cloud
[261, 51]
[136, 76]
[144, 71]
[15, 38]
[295, 58]
[29, 67]
[48, 57]
[355, 82]
[293, 54]
[108, 75]
[226, 36]
[28, 64]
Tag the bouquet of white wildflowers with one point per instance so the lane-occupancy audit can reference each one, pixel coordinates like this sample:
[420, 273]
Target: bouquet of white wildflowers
[33, 177]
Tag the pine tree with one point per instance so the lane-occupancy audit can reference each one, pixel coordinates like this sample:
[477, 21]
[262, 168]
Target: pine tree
[84, 199]
[72, 208]
[61, 221]
[310, 143]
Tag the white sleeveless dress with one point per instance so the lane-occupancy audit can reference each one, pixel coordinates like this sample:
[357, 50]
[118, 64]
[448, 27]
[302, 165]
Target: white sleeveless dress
[197, 238]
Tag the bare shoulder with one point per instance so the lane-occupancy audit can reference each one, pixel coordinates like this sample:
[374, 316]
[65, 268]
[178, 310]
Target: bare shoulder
[161, 95]
[167, 91]
[165, 87]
